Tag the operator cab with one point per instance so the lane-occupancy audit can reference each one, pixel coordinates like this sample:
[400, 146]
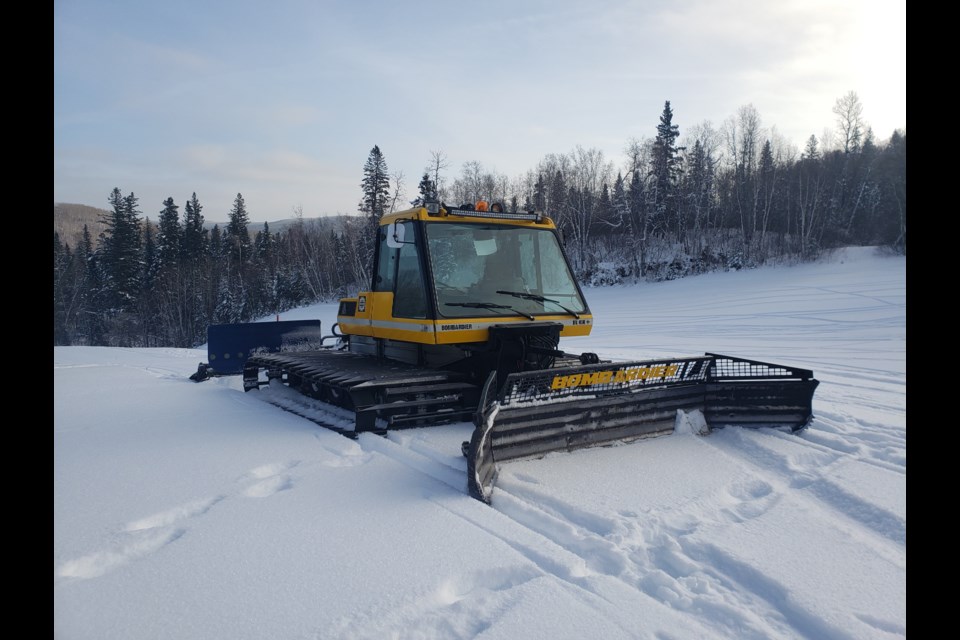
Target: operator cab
[475, 262]
[488, 269]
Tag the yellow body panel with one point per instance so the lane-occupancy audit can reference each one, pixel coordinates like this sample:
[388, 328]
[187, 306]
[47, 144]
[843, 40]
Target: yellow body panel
[374, 318]
[466, 330]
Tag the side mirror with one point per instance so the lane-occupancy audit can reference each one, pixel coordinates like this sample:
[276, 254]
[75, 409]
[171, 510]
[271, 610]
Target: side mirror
[395, 235]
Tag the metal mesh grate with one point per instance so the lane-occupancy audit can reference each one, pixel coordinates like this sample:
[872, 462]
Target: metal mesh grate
[730, 368]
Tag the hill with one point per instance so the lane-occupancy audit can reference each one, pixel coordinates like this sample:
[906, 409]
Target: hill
[69, 220]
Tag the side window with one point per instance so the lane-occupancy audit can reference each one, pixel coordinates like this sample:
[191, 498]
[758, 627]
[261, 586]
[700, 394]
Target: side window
[386, 265]
[410, 297]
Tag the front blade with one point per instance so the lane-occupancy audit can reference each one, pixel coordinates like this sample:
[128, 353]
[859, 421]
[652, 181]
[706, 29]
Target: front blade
[540, 412]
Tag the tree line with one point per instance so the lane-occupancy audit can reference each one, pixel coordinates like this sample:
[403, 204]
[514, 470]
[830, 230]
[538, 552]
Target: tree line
[724, 198]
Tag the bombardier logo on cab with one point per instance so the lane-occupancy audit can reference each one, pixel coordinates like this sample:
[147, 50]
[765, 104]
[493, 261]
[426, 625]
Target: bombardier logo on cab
[621, 375]
[455, 327]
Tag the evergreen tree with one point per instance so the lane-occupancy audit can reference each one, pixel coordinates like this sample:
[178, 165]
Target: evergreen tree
[237, 235]
[557, 201]
[263, 243]
[194, 235]
[217, 259]
[376, 193]
[539, 194]
[768, 187]
[618, 202]
[698, 190]
[892, 180]
[605, 218]
[89, 284]
[810, 151]
[216, 244]
[151, 295]
[169, 237]
[120, 250]
[61, 290]
[375, 186]
[665, 172]
[810, 197]
[150, 259]
[427, 189]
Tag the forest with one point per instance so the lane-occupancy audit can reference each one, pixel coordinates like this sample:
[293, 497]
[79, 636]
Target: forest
[732, 197]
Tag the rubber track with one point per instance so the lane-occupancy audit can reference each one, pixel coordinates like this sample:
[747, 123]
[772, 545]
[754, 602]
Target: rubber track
[381, 393]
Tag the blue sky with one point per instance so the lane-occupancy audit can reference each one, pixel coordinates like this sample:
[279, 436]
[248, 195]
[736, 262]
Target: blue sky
[283, 101]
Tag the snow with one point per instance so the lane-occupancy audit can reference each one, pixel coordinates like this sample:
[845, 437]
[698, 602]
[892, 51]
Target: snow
[198, 511]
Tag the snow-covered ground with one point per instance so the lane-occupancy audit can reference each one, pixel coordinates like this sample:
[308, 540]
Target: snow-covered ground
[198, 511]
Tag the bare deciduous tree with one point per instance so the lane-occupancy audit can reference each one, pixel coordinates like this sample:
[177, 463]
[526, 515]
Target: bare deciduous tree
[438, 162]
[849, 112]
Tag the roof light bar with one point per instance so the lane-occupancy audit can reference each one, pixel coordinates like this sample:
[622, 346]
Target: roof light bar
[533, 216]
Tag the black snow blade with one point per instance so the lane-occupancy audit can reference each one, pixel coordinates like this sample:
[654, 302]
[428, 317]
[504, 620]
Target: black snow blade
[539, 412]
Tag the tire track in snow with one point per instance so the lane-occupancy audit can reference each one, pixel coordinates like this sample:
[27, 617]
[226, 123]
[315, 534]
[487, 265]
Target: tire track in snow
[651, 557]
[660, 560]
[879, 445]
[806, 473]
[428, 615]
[665, 560]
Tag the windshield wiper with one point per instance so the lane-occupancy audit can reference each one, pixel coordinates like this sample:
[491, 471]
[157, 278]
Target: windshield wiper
[488, 305]
[539, 298]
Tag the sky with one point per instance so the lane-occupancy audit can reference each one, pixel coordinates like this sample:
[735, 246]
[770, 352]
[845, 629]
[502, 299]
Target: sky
[197, 511]
[282, 102]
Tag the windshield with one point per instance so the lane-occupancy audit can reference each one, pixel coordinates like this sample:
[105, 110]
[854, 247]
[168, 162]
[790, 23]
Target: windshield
[478, 270]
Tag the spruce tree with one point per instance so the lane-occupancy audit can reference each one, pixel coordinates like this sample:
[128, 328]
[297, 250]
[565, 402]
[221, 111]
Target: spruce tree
[604, 217]
[89, 287]
[375, 186]
[619, 204]
[237, 235]
[811, 152]
[376, 192]
[61, 290]
[698, 186]
[150, 261]
[557, 201]
[539, 194]
[169, 240]
[194, 235]
[262, 243]
[665, 170]
[427, 189]
[120, 249]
